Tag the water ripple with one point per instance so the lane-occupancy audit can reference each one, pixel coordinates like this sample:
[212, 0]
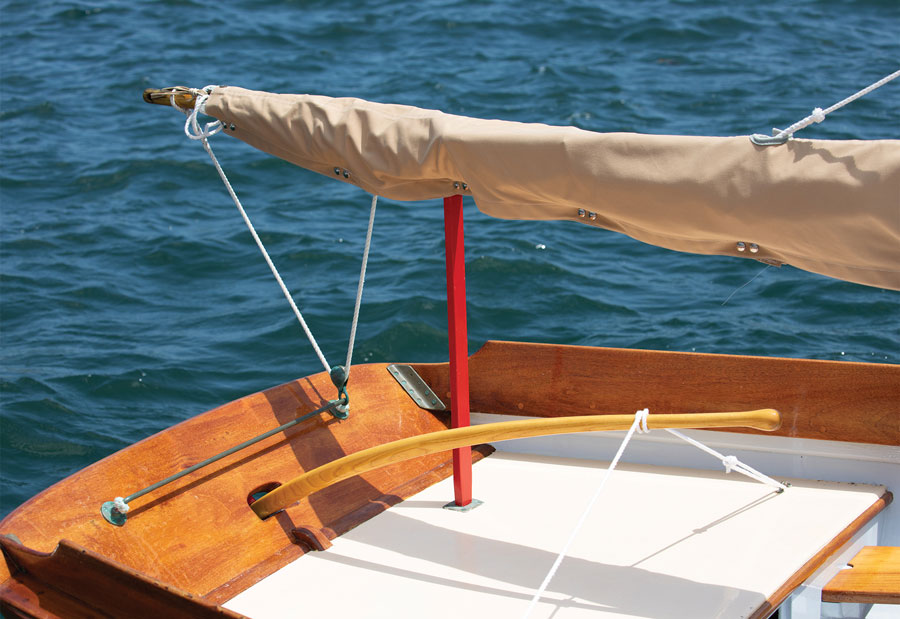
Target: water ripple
[131, 296]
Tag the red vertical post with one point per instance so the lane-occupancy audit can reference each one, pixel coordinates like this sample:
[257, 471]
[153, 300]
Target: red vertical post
[454, 246]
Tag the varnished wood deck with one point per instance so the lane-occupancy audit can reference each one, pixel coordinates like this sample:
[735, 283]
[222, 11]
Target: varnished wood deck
[199, 533]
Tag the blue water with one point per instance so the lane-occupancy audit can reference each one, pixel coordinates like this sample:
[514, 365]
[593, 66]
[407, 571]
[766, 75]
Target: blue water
[132, 297]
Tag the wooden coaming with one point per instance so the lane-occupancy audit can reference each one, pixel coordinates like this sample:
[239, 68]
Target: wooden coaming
[826, 400]
[199, 534]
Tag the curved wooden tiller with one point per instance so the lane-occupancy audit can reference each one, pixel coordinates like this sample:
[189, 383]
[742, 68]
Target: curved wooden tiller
[766, 419]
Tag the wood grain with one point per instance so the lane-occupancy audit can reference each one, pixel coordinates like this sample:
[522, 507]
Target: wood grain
[435, 442]
[873, 578]
[73, 580]
[199, 533]
[24, 597]
[828, 400]
[231, 548]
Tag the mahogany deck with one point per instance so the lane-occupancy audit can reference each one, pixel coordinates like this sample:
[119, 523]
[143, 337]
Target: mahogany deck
[199, 534]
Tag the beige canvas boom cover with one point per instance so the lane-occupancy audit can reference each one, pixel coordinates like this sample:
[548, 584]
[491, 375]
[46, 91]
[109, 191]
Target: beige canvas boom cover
[827, 206]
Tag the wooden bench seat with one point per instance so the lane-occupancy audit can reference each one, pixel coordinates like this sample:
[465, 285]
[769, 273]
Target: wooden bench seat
[872, 578]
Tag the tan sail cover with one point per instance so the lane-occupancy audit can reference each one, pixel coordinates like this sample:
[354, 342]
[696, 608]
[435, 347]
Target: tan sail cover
[827, 206]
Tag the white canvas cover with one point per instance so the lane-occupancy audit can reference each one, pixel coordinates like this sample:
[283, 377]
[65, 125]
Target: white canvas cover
[826, 206]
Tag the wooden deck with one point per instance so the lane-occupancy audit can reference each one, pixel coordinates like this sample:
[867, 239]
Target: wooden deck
[199, 534]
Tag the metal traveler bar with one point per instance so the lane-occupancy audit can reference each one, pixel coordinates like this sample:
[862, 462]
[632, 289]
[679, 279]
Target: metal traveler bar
[114, 514]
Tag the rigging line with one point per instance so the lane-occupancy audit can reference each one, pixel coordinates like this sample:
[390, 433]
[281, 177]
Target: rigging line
[359, 288]
[818, 114]
[738, 289]
[731, 462]
[639, 425]
[202, 135]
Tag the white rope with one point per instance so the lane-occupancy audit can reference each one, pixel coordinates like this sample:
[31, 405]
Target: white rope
[121, 505]
[359, 288]
[731, 462]
[818, 114]
[193, 130]
[640, 426]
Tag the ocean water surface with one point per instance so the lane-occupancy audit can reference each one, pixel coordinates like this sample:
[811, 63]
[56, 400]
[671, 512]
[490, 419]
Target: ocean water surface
[132, 296]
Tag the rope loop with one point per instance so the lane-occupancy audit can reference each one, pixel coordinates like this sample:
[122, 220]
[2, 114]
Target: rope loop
[640, 418]
[192, 127]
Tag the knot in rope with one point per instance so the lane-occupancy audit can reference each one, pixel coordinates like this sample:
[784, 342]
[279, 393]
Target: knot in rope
[730, 462]
[640, 419]
[817, 115]
[121, 505]
[639, 425]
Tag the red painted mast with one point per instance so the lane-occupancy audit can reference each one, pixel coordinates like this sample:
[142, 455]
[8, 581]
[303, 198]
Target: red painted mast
[459, 343]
